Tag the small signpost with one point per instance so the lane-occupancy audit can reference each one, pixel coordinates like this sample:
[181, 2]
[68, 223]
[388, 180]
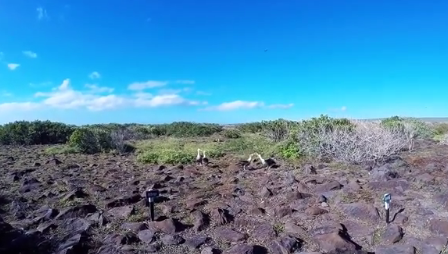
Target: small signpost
[151, 194]
[387, 198]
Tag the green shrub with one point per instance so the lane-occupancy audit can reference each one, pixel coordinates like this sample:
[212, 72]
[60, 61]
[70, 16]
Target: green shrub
[103, 139]
[326, 124]
[410, 126]
[148, 157]
[441, 128]
[231, 133]
[289, 150]
[185, 129]
[85, 141]
[254, 127]
[279, 130]
[35, 133]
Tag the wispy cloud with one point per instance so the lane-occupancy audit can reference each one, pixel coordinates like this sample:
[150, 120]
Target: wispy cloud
[94, 75]
[283, 106]
[13, 66]
[5, 94]
[139, 86]
[233, 105]
[41, 13]
[239, 104]
[174, 91]
[17, 106]
[29, 54]
[203, 93]
[165, 100]
[93, 98]
[99, 89]
[185, 82]
[41, 84]
[341, 109]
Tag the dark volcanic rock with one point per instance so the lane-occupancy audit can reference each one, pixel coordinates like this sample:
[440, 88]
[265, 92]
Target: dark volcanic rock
[439, 227]
[196, 241]
[284, 245]
[393, 234]
[146, 235]
[335, 242]
[122, 212]
[229, 235]
[124, 201]
[395, 249]
[76, 211]
[172, 239]
[241, 248]
[361, 211]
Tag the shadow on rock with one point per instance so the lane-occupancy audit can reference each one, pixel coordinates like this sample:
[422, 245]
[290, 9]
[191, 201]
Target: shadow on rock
[13, 240]
[395, 215]
[260, 250]
[346, 236]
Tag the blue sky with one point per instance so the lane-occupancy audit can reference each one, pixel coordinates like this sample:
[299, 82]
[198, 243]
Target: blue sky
[221, 61]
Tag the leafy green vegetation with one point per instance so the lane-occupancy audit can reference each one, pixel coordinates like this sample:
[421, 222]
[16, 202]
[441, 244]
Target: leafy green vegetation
[414, 126]
[35, 133]
[178, 142]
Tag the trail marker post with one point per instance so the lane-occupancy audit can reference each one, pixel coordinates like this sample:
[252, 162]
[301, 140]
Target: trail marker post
[387, 198]
[151, 194]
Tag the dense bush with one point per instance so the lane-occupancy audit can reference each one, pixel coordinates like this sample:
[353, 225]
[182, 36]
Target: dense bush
[279, 130]
[185, 129]
[85, 141]
[94, 140]
[35, 133]
[288, 149]
[254, 127]
[441, 128]
[231, 133]
[411, 126]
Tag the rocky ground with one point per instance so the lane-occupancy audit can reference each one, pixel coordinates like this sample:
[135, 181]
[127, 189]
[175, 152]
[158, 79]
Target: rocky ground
[95, 204]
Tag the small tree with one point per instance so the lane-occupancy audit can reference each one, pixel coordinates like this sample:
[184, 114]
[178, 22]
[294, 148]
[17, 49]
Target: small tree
[85, 141]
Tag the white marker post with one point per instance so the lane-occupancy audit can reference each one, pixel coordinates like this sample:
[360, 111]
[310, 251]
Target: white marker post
[151, 194]
[387, 198]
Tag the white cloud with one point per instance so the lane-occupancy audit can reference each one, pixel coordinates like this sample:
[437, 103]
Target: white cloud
[29, 54]
[341, 109]
[185, 82]
[91, 98]
[94, 75]
[165, 100]
[283, 106]
[13, 66]
[203, 93]
[174, 91]
[228, 106]
[17, 106]
[5, 94]
[41, 13]
[67, 98]
[99, 89]
[138, 86]
[234, 105]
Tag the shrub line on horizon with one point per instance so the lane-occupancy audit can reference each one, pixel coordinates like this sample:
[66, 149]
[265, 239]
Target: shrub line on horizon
[321, 137]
